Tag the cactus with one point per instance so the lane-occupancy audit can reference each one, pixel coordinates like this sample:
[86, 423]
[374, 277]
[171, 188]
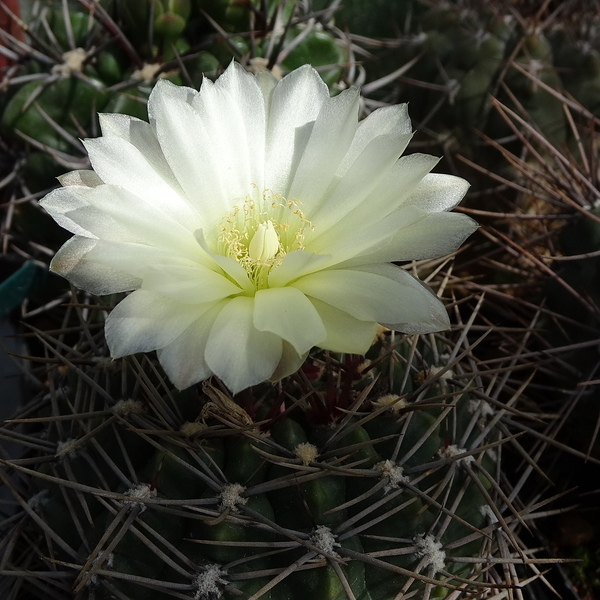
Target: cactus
[81, 58]
[459, 53]
[352, 479]
[362, 479]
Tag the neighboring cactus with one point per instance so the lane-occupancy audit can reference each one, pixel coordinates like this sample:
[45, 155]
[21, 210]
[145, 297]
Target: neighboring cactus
[106, 56]
[461, 52]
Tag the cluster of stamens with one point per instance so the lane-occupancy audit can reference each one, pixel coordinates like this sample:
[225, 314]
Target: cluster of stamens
[260, 232]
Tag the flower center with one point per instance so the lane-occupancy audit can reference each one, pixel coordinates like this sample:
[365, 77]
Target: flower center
[260, 232]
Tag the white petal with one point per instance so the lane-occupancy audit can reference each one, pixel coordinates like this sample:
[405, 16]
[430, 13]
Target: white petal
[437, 316]
[112, 213]
[215, 145]
[165, 88]
[183, 359]
[236, 351]
[438, 192]
[72, 261]
[289, 363]
[370, 239]
[288, 313]
[135, 131]
[239, 103]
[187, 147]
[229, 265]
[389, 296]
[145, 321]
[267, 83]
[437, 234]
[385, 120]
[344, 332]
[81, 177]
[295, 265]
[232, 111]
[356, 188]
[58, 203]
[103, 267]
[131, 260]
[391, 191]
[143, 173]
[189, 284]
[138, 258]
[294, 105]
[329, 141]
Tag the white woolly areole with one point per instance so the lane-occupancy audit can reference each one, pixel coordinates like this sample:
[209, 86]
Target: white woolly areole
[258, 64]
[148, 72]
[72, 62]
[61, 446]
[191, 429]
[39, 500]
[482, 406]
[324, 539]
[486, 511]
[306, 452]
[108, 563]
[453, 450]
[393, 473]
[124, 408]
[449, 374]
[392, 402]
[431, 550]
[139, 493]
[231, 496]
[207, 583]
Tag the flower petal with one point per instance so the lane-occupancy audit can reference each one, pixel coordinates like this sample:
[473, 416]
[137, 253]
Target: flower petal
[59, 203]
[390, 192]
[289, 363]
[267, 83]
[229, 265]
[189, 284]
[236, 351]
[368, 240]
[437, 192]
[295, 265]
[344, 332]
[437, 234]
[329, 140]
[105, 267]
[383, 293]
[215, 144]
[295, 103]
[72, 261]
[383, 121]
[437, 316]
[187, 147]
[367, 171]
[237, 106]
[135, 131]
[145, 321]
[112, 213]
[144, 174]
[80, 177]
[183, 359]
[288, 313]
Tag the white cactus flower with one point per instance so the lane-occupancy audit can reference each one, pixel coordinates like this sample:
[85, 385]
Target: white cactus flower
[253, 220]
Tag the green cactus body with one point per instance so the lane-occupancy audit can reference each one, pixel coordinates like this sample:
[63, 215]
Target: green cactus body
[248, 505]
